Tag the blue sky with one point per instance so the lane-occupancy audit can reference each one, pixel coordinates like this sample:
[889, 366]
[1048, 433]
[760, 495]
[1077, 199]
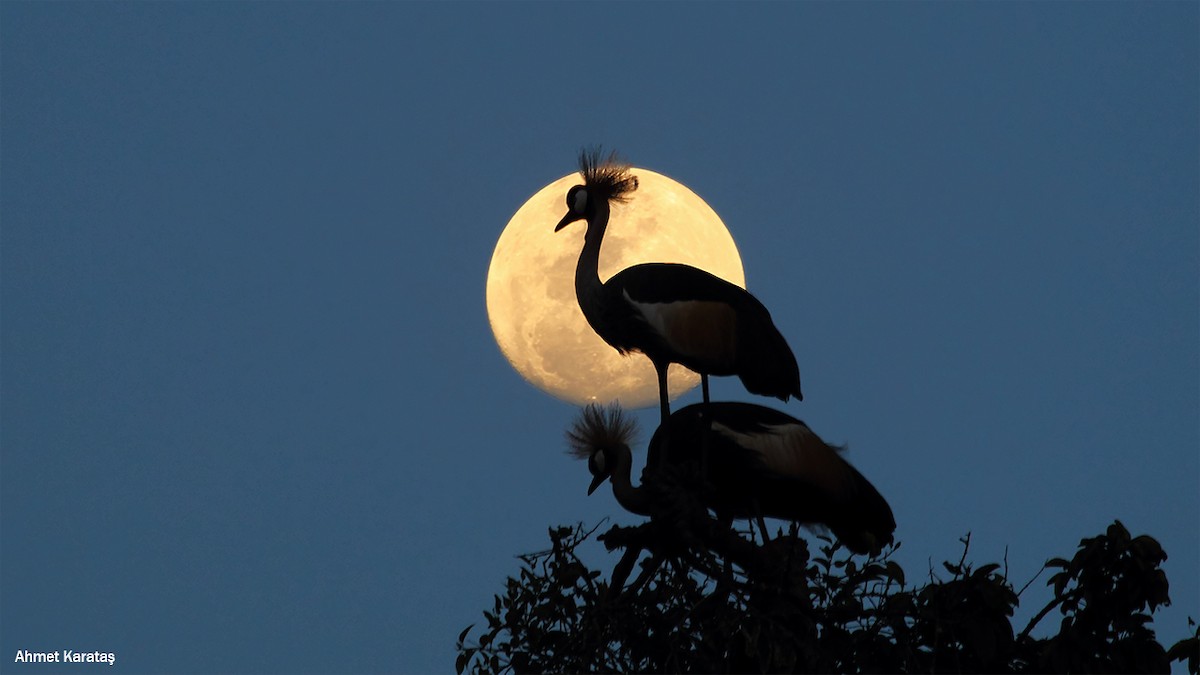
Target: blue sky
[253, 418]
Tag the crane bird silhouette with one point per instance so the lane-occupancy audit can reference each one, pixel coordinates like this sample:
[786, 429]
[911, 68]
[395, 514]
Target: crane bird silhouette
[760, 462]
[670, 312]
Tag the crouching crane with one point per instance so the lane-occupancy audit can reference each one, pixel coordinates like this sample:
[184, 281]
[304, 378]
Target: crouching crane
[760, 463]
[670, 312]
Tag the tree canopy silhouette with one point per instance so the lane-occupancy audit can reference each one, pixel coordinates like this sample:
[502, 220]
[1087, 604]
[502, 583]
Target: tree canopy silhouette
[721, 602]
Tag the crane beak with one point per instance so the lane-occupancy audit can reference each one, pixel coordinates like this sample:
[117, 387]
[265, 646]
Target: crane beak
[567, 220]
[596, 483]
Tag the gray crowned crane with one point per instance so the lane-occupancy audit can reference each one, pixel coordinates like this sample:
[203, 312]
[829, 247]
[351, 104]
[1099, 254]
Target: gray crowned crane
[670, 312]
[760, 463]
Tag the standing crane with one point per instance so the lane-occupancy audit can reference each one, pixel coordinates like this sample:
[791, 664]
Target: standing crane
[670, 312]
[760, 463]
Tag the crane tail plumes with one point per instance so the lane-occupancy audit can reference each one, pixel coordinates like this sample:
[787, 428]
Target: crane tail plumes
[867, 524]
[600, 427]
[850, 505]
[766, 364]
[608, 176]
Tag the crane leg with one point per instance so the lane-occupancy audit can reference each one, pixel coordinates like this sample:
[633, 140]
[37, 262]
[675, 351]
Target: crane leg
[727, 525]
[663, 403]
[762, 523]
[762, 526]
[621, 571]
[648, 569]
[664, 406]
[707, 429]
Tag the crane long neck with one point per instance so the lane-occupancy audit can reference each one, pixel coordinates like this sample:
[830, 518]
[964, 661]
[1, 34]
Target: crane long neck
[632, 499]
[587, 272]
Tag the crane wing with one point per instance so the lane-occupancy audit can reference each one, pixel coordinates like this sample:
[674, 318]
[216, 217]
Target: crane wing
[707, 324]
[791, 450]
[693, 312]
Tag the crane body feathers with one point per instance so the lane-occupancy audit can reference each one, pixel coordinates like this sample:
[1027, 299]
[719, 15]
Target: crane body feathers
[764, 462]
[670, 312]
[760, 462]
[675, 313]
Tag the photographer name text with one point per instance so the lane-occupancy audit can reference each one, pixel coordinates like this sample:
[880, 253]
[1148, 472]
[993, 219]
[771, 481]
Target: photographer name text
[64, 656]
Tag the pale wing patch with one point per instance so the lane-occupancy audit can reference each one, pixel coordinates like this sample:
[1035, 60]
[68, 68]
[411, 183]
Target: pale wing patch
[793, 450]
[695, 328]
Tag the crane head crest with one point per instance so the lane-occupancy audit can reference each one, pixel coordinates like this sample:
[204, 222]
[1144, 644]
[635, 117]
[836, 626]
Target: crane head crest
[606, 177]
[600, 435]
[600, 427]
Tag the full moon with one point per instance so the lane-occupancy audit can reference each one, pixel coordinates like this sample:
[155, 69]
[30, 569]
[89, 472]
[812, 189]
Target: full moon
[531, 286]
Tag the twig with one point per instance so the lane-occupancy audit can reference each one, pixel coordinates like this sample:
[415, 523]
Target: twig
[1039, 573]
[966, 541]
[1038, 617]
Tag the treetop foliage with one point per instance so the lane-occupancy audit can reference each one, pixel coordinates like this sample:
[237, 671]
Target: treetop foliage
[733, 605]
